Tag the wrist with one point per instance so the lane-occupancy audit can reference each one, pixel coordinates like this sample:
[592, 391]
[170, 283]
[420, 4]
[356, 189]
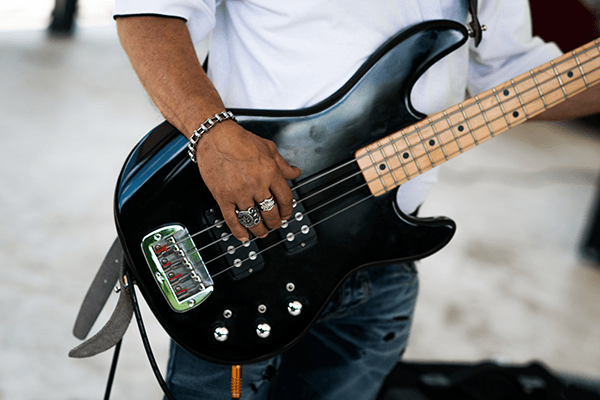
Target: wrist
[204, 128]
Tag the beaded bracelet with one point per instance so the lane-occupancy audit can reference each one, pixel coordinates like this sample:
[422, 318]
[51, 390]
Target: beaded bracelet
[205, 127]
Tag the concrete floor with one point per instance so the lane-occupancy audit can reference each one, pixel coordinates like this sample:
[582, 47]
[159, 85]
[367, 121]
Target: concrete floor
[510, 286]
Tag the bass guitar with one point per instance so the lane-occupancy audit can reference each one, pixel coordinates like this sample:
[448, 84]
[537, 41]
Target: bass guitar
[234, 303]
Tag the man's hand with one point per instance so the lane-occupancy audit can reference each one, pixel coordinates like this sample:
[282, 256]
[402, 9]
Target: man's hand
[238, 167]
[241, 170]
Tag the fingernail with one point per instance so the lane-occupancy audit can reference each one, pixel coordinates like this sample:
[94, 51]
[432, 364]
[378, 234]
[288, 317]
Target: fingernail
[244, 239]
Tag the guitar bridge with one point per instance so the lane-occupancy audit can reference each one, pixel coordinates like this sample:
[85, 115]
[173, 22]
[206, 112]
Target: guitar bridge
[177, 267]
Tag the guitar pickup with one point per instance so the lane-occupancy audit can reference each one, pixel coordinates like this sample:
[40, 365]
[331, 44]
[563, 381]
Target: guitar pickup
[244, 257]
[297, 232]
[177, 267]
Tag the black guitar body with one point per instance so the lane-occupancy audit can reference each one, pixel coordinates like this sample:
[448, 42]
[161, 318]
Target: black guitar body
[159, 186]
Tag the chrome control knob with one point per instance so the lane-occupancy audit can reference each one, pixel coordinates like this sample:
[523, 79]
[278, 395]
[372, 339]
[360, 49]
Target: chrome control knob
[294, 307]
[221, 333]
[263, 330]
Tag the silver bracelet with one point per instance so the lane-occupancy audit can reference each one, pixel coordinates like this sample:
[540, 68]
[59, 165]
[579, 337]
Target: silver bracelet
[205, 127]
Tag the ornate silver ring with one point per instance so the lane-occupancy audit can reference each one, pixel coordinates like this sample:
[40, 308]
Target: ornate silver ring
[267, 204]
[248, 218]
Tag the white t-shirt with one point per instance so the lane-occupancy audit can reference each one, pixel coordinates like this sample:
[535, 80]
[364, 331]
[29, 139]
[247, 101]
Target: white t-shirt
[282, 54]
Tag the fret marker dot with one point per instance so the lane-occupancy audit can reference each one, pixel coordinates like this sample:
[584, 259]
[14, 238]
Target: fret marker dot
[506, 92]
[431, 142]
[516, 114]
[570, 74]
[405, 155]
[461, 128]
[382, 166]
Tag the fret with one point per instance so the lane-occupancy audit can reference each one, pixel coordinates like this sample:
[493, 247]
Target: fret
[368, 170]
[394, 160]
[487, 122]
[468, 123]
[501, 107]
[587, 85]
[475, 120]
[419, 147]
[374, 163]
[386, 159]
[539, 89]
[570, 76]
[452, 131]
[519, 97]
[435, 132]
[393, 142]
[593, 72]
[424, 145]
[513, 105]
[411, 152]
[413, 168]
[548, 84]
[560, 82]
[431, 145]
[493, 111]
[528, 95]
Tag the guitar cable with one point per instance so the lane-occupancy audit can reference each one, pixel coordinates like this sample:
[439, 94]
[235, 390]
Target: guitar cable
[113, 368]
[236, 370]
[142, 329]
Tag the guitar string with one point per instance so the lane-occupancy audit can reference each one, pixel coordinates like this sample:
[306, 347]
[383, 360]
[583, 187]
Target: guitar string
[328, 202]
[520, 94]
[335, 199]
[284, 240]
[490, 96]
[337, 212]
[446, 117]
[522, 105]
[430, 124]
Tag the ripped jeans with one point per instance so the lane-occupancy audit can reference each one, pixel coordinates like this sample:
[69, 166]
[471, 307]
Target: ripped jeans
[347, 354]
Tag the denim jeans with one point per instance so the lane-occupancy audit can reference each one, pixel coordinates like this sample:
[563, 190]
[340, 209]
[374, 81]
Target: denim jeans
[347, 354]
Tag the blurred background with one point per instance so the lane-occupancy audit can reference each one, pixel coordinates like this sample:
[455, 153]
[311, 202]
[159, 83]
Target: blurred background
[520, 281]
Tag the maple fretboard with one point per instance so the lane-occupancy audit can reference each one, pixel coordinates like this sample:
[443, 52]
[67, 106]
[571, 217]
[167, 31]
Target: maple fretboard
[399, 157]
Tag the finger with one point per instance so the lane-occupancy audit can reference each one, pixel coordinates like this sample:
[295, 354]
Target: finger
[284, 198]
[259, 230]
[237, 230]
[289, 172]
[271, 218]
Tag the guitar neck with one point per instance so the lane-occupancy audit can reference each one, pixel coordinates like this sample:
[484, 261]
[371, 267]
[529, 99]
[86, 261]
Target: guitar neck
[401, 156]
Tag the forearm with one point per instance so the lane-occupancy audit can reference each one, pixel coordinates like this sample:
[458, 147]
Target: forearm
[239, 168]
[163, 56]
[580, 105]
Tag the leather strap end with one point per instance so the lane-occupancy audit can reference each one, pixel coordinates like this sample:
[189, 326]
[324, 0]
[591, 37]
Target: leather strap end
[99, 290]
[112, 332]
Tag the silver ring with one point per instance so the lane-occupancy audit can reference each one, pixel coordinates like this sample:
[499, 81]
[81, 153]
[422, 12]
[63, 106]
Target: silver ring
[267, 204]
[248, 218]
